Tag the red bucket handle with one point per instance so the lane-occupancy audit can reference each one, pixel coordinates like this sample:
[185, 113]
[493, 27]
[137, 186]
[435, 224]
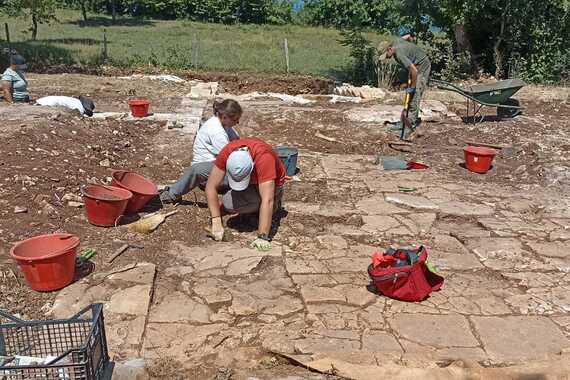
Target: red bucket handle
[69, 236]
[122, 174]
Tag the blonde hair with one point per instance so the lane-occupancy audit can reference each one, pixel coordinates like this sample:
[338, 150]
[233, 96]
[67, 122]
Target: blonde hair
[228, 107]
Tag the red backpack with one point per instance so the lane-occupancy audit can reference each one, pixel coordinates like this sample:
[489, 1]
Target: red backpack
[411, 283]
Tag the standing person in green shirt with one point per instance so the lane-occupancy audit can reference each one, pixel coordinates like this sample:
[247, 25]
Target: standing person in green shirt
[418, 65]
[14, 83]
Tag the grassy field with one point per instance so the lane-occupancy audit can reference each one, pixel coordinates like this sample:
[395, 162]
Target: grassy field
[185, 44]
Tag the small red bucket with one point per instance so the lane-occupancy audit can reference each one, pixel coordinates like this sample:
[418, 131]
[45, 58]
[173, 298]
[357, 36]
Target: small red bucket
[105, 205]
[47, 261]
[143, 189]
[479, 159]
[139, 107]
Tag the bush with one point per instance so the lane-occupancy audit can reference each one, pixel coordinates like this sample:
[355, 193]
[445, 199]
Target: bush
[446, 64]
[363, 68]
[561, 67]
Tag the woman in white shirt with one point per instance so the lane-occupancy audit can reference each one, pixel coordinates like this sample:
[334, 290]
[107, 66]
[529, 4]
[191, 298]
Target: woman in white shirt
[212, 136]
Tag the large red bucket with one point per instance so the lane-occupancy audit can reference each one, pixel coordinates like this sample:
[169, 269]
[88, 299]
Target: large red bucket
[479, 159]
[105, 205]
[47, 261]
[143, 189]
[139, 107]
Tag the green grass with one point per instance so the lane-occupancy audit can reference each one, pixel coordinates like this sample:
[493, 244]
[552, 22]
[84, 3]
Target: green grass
[133, 43]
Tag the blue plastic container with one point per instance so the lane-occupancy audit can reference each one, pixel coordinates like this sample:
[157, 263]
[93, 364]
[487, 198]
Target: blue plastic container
[289, 157]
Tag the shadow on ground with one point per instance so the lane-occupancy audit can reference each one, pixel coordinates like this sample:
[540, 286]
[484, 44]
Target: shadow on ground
[97, 21]
[39, 55]
[73, 41]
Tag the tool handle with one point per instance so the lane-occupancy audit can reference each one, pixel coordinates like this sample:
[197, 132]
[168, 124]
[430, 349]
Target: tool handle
[119, 251]
[170, 213]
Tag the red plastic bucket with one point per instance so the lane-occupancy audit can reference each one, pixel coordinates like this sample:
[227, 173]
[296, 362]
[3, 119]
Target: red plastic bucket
[143, 189]
[139, 107]
[105, 205]
[47, 261]
[479, 159]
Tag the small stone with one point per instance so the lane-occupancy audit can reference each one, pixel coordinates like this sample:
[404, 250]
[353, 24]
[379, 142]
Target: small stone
[71, 197]
[134, 369]
[105, 163]
[20, 210]
[520, 170]
[412, 201]
[508, 152]
[75, 204]
[47, 208]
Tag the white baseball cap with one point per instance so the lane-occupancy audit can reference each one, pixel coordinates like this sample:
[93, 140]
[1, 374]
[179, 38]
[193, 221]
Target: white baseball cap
[239, 167]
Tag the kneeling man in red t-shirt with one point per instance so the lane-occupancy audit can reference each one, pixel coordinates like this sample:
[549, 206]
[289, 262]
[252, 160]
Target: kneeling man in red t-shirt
[256, 176]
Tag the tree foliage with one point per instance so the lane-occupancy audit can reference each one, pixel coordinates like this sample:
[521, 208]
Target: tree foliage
[218, 11]
[381, 15]
[37, 11]
[527, 38]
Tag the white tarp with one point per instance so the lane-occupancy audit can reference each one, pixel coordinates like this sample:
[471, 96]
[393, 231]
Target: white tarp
[289, 99]
[164, 77]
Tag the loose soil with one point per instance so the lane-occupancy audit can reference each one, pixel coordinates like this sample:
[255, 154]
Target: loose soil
[234, 83]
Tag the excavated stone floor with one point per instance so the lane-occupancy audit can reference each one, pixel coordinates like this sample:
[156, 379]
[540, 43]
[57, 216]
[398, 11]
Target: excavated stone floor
[501, 249]
[506, 296]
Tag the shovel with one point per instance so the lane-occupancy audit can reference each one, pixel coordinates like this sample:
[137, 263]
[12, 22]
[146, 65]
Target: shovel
[405, 116]
[151, 223]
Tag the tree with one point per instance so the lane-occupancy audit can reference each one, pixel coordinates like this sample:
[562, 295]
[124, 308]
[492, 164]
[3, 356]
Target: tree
[39, 12]
[83, 6]
[499, 32]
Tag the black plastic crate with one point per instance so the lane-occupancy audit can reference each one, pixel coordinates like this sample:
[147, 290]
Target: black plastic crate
[78, 344]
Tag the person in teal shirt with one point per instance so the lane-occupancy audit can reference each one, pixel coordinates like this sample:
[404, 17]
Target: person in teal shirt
[14, 83]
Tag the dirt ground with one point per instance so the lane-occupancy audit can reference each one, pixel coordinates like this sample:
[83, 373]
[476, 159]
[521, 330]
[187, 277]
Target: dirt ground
[49, 154]
[236, 83]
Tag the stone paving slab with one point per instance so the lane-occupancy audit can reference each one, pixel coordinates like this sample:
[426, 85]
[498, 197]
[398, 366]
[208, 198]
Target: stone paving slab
[514, 338]
[178, 307]
[450, 254]
[503, 253]
[464, 209]
[434, 330]
[126, 295]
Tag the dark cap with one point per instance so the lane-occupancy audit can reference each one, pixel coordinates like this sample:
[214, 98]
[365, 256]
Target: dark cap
[406, 30]
[87, 104]
[17, 60]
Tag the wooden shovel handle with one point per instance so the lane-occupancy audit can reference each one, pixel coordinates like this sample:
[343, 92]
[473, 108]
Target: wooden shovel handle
[170, 213]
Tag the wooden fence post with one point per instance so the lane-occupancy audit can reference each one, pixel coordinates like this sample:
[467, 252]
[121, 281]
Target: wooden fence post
[195, 51]
[8, 39]
[105, 52]
[286, 50]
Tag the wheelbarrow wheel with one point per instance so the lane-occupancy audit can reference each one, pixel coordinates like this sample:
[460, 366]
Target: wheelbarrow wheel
[509, 113]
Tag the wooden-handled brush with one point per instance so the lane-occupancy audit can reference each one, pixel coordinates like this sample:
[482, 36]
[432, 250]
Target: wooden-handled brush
[151, 223]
